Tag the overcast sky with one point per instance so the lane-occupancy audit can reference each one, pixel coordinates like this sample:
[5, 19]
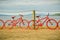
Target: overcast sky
[18, 5]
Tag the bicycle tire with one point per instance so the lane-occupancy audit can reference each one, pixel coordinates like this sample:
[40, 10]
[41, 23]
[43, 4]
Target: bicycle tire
[50, 25]
[2, 23]
[23, 24]
[59, 24]
[8, 24]
[31, 25]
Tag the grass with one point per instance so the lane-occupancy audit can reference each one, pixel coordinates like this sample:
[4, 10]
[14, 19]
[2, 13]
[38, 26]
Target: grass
[27, 34]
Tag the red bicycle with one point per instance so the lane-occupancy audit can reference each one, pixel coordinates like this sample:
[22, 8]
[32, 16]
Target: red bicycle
[2, 23]
[50, 23]
[20, 22]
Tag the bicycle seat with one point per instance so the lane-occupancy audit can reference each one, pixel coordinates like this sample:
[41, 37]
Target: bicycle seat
[13, 17]
[37, 16]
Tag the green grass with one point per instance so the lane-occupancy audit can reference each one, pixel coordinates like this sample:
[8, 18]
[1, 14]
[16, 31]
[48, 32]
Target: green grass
[27, 34]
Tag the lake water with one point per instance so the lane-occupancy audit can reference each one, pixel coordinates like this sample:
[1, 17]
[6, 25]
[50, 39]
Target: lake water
[27, 17]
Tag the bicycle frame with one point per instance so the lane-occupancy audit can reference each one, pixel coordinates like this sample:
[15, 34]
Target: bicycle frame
[19, 20]
[15, 22]
[46, 18]
[39, 23]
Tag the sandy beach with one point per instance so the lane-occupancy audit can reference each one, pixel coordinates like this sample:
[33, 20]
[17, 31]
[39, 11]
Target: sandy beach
[27, 34]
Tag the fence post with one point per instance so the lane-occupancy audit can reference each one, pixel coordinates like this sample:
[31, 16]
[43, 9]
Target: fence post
[34, 17]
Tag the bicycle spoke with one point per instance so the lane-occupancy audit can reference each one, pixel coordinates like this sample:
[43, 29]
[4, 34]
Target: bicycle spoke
[52, 24]
[2, 23]
[8, 24]
[23, 24]
[31, 25]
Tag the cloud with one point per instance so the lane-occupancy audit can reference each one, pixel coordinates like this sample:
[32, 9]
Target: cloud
[3, 0]
[17, 5]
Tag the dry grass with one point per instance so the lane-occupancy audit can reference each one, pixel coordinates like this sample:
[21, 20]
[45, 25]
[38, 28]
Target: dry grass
[26, 34]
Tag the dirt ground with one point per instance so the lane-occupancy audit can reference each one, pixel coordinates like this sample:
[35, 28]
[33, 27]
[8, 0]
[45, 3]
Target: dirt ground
[27, 34]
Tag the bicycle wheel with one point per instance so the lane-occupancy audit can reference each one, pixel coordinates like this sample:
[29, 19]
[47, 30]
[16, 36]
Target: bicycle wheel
[59, 24]
[23, 24]
[8, 24]
[31, 25]
[51, 24]
[2, 24]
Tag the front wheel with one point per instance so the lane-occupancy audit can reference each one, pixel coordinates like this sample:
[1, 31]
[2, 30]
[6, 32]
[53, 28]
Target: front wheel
[52, 24]
[8, 24]
[2, 24]
[31, 25]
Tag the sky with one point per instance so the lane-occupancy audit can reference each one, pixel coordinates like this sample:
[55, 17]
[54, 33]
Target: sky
[21, 6]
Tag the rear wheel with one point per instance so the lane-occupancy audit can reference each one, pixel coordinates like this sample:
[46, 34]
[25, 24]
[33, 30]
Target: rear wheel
[52, 24]
[59, 24]
[23, 24]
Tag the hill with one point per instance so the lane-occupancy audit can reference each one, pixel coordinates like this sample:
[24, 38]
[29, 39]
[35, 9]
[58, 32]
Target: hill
[56, 14]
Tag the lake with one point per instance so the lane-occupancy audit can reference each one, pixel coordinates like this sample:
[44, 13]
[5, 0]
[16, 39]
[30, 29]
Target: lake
[27, 17]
